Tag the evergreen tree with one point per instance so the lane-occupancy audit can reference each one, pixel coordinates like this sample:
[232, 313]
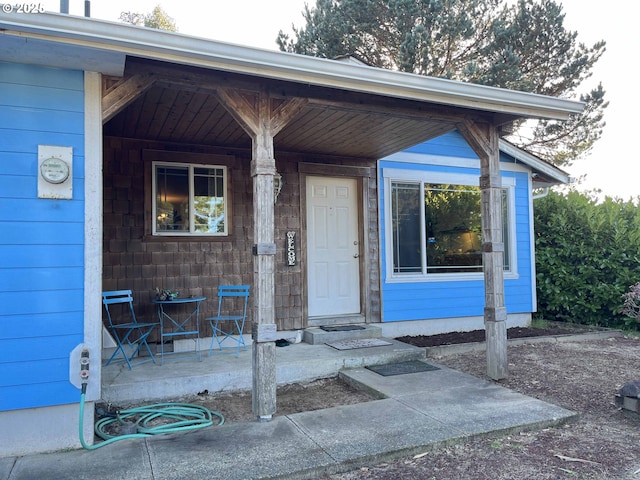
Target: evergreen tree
[521, 46]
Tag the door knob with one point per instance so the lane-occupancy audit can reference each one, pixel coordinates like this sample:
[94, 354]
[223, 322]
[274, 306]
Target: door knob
[356, 255]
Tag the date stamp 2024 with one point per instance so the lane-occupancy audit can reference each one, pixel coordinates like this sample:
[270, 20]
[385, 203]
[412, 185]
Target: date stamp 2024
[23, 8]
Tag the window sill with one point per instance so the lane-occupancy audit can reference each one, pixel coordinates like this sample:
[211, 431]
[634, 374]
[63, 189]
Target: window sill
[187, 238]
[443, 277]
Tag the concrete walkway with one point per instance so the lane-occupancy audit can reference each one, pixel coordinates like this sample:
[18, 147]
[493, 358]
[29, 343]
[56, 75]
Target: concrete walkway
[416, 412]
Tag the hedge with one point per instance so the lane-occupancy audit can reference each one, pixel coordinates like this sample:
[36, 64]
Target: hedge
[587, 258]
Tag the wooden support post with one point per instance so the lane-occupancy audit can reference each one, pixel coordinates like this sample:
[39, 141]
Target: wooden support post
[263, 168]
[484, 142]
[262, 118]
[495, 313]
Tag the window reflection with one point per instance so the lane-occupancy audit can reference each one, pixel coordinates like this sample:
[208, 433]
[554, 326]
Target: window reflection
[172, 198]
[451, 217]
[209, 200]
[190, 199]
[454, 229]
[406, 227]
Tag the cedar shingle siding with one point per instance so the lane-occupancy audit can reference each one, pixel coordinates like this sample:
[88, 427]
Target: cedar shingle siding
[133, 259]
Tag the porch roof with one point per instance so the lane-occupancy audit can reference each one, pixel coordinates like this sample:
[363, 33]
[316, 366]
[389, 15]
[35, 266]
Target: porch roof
[351, 109]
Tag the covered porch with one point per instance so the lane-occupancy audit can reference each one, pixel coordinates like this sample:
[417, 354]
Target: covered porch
[258, 131]
[265, 130]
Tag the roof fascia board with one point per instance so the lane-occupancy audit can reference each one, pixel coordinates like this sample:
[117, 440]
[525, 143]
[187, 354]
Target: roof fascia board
[179, 48]
[23, 49]
[201, 52]
[534, 162]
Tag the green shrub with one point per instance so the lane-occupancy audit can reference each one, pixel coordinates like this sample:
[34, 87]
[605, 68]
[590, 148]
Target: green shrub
[587, 256]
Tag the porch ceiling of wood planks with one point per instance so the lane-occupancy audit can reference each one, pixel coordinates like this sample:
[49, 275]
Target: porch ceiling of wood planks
[163, 102]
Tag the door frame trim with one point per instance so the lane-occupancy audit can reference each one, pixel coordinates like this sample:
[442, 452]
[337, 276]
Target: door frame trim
[362, 175]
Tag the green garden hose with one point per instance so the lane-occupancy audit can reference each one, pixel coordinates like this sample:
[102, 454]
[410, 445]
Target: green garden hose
[170, 418]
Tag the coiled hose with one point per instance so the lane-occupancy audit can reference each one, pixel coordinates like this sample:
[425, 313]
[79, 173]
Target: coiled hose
[170, 418]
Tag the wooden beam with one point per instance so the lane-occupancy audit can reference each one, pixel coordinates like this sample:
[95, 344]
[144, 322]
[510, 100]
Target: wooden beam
[118, 96]
[483, 139]
[203, 80]
[242, 108]
[477, 137]
[251, 109]
[285, 112]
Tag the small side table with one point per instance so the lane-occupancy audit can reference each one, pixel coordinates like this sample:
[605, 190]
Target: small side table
[171, 326]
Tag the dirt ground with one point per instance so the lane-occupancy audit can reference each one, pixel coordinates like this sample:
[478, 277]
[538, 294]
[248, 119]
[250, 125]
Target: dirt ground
[295, 398]
[602, 443]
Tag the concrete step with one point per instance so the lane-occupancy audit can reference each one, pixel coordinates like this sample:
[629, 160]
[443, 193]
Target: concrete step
[317, 336]
[300, 362]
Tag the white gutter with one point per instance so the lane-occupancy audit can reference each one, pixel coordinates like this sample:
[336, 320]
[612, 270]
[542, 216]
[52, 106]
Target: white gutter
[544, 193]
[119, 38]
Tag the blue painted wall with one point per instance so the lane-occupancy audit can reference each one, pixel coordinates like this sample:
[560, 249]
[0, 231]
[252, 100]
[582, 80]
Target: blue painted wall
[41, 240]
[432, 300]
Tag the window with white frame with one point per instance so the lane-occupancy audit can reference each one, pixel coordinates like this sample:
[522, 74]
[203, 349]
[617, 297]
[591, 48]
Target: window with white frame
[434, 224]
[189, 199]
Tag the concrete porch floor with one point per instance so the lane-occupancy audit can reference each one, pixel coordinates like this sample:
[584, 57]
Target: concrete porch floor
[182, 375]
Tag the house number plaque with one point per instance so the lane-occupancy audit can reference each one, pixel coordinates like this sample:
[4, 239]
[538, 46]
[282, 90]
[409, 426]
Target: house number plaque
[291, 249]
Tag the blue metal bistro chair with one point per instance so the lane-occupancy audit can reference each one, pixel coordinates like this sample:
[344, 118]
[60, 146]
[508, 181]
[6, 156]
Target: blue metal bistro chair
[131, 335]
[226, 325]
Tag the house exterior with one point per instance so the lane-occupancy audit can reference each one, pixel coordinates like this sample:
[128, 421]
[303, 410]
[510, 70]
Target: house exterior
[134, 159]
[439, 288]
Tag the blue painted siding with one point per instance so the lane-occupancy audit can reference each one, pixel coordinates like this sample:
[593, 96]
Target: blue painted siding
[42, 240]
[423, 300]
[448, 145]
[46, 324]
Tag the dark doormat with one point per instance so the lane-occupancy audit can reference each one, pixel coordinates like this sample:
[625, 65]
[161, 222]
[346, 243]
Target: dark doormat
[341, 328]
[401, 368]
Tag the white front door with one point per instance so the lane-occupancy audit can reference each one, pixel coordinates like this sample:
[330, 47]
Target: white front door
[332, 246]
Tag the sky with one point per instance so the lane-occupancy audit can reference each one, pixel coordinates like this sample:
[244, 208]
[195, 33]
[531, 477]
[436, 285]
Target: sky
[613, 165]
